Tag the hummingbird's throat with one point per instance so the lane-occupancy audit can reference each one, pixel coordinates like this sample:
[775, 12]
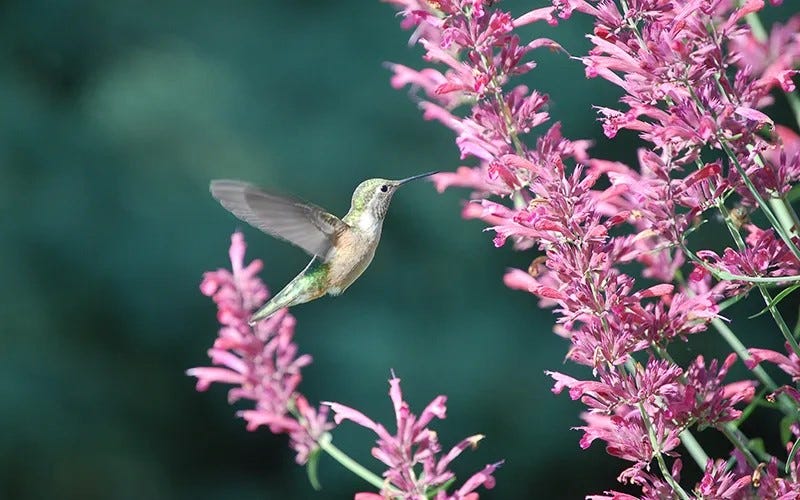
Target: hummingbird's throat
[368, 222]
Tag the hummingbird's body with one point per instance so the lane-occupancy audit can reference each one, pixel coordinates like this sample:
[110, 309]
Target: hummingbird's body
[342, 249]
[355, 250]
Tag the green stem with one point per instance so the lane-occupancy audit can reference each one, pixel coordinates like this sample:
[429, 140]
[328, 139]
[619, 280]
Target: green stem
[762, 203]
[779, 228]
[794, 103]
[687, 438]
[785, 403]
[725, 275]
[325, 443]
[725, 145]
[778, 317]
[756, 28]
[695, 450]
[733, 229]
[732, 340]
[785, 214]
[781, 206]
[729, 429]
[662, 465]
[741, 351]
[735, 436]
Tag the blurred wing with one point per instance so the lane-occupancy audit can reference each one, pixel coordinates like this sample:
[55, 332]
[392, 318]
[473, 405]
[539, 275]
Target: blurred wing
[300, 223]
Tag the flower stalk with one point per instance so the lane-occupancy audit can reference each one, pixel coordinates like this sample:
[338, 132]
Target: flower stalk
[263, 365]
[700, 121]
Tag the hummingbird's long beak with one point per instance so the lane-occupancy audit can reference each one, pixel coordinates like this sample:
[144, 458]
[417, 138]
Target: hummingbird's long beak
[414, 177]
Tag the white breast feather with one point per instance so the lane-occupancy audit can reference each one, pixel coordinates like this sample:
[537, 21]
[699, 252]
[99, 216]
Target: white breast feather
[367, 222]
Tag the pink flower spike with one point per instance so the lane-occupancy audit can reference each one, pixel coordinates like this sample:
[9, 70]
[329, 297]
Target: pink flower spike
[610, 238]
[261, 362]
[415, 469]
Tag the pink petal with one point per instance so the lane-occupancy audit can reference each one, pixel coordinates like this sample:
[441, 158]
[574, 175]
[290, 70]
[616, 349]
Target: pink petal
[548, 293]
[238, 247]
[229, 359]
[396, 395]
[657, 290]
[543, 14]
[517, 279]
[276, 423]
[562, 381]
[784, 79]
[436, 408]
[483, 477]
[470, 442]
[749, 7]
[342, 412]
[209, 285]
[208, 375]
[759, 355]
[753, 114]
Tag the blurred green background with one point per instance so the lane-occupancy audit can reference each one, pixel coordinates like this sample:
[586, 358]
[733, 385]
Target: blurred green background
[115, 115]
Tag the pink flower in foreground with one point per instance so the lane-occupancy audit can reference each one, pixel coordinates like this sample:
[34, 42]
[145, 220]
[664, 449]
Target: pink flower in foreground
[416, 468]
[720, 482]
[591, 219]
[769, 58]
[789, 364]
[260, 361]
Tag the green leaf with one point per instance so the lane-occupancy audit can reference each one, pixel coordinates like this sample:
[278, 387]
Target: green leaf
[796, 330]
[731, 301]
[792, 453]
[794, 194]
[775, 300]
[312, 469]
[757, 446]
[785, 428]
[767, 132]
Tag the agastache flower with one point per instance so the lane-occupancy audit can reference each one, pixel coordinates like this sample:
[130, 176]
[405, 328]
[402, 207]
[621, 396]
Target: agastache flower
[262, 361]
[671, 62]
[769, 59]
[719, 482]
[416, 466]
[589, 217]
[788, 364]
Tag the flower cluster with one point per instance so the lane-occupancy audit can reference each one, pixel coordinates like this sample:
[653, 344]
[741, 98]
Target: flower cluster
[416, 468]
[263, 365]
[673, 64]
[694, 93]
[261, 361]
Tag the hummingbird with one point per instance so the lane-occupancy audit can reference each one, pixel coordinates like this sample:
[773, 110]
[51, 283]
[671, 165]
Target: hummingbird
[341, 249]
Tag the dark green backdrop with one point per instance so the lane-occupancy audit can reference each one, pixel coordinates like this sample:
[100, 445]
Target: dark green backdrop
[114, 116]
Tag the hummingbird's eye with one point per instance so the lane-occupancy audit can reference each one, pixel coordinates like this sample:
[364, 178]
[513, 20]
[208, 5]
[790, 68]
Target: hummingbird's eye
[384, 188]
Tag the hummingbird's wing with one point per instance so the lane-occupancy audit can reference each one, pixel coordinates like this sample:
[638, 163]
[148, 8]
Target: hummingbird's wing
[303, 224]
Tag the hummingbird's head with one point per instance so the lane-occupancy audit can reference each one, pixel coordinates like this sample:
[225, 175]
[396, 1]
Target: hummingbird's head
[374, 195]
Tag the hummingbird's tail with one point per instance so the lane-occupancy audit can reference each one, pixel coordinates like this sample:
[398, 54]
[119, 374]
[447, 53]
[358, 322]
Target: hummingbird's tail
[303, 288]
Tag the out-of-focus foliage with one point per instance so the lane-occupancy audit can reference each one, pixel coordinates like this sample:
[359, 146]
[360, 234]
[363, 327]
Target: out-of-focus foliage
[113, 118]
